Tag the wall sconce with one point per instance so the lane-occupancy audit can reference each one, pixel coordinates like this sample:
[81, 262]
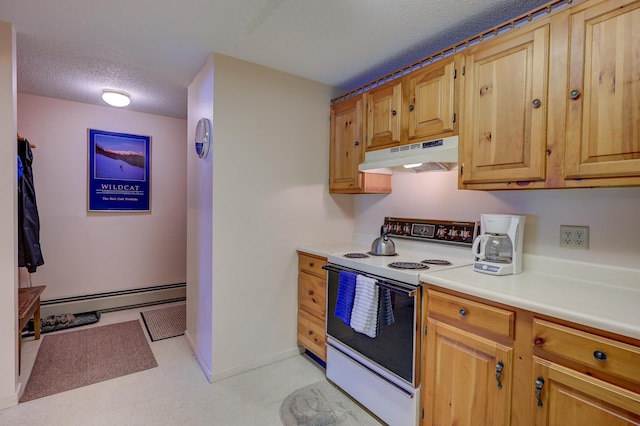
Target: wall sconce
[116, 98]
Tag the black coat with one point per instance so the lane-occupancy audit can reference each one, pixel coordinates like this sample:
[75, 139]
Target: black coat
[29, 252]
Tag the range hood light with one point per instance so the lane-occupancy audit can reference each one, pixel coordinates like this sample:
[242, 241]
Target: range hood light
[412, 166]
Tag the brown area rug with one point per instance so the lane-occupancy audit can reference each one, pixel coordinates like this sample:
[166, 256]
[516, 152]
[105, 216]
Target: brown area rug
[323, 404]
[165, 323]
[79, 358]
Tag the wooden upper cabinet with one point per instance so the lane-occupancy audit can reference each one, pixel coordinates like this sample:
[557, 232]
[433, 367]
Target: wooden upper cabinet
[346, 148]
[346, 152]
[603, 125]
[430, 107]
[384, 107]
[504, 131]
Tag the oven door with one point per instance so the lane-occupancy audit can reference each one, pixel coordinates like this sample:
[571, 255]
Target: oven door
[395, 348]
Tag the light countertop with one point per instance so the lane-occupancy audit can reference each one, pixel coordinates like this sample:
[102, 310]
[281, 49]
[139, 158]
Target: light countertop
[598, 296]
[325, 250]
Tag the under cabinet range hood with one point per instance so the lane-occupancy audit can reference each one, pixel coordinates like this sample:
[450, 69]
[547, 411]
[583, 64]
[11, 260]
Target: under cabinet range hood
[435, 155]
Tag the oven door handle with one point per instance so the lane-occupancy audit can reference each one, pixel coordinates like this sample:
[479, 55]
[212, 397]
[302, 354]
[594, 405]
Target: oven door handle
[389, 284]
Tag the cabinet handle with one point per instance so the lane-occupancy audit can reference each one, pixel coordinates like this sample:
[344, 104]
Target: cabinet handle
[574, 94]
[536, 103]
[410, 107]
[310, 264]
[499, 367]
[356, 143]
[393, 112]
[600, 356]
[462, 312]
[310, 292]
[539, 385]
[309, 332]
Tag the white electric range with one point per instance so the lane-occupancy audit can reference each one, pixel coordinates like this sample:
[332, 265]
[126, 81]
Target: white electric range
[379, 369]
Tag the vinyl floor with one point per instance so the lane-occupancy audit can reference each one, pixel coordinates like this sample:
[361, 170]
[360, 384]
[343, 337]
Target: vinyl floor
[175, 393]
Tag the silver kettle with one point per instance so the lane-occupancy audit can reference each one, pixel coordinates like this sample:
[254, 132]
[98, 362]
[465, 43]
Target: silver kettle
[383, 245]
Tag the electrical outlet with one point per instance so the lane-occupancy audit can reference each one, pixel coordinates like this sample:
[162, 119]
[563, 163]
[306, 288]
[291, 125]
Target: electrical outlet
[576, 237]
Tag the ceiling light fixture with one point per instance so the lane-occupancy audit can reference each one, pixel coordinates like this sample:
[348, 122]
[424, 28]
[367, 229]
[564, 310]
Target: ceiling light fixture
[116, 98]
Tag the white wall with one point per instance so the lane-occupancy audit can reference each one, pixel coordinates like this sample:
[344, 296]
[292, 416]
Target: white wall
[93, 252]
[199, 331]
[270, 189]
[610, 213]
[8, 218]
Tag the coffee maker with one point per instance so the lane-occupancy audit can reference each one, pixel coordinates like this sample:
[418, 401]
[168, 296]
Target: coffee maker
[498, 250]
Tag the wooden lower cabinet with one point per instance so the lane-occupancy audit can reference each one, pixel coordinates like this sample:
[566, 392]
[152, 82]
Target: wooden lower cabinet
[565, 397]
[468, 378]
[312, 304]
[552, 372]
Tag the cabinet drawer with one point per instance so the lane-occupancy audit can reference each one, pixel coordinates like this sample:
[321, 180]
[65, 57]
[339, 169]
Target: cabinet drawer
[312, 264]
[595, 352]
[462, 311]
[312, 294]
[311, 334]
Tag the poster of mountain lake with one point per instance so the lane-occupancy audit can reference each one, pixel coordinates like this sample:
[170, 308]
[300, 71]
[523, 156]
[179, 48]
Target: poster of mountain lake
[118, 171]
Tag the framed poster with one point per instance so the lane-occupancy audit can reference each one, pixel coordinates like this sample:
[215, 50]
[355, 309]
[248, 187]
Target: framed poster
[119, 172]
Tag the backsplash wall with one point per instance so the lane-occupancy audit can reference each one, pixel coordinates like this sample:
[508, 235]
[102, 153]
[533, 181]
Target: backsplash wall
[610, 213]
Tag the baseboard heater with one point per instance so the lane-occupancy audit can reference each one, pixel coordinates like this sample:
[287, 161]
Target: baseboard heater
[115, 300]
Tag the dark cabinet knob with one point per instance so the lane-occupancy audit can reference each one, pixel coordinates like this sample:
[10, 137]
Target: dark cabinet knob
[356, 143]
[600, 356]
[462, 312]
[393, 112]
[310, 264]
[410, 107]
[574, 94]
[310, 292]
[536, 103]
[309, 332]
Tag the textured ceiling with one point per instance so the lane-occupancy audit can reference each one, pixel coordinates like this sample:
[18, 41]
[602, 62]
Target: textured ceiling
[72, 49]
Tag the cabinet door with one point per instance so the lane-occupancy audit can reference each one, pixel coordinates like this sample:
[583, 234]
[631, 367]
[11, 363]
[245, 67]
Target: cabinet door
[603, 135]
[505, 120]
[462, 379]
[430, 106]
[383, 116]
[346, 148]
[565, 397]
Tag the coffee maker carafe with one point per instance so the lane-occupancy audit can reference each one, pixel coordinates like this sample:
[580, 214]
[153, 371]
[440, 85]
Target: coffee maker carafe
[498, 250]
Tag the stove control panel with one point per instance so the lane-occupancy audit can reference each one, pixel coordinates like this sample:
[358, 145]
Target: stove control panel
[451, 232]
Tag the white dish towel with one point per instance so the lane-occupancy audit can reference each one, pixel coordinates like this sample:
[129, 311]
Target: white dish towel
[364, 315]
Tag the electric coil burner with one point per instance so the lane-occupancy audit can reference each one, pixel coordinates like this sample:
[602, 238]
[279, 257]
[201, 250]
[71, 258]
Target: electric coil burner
[441, 262]
[356, 256]
[407, 265]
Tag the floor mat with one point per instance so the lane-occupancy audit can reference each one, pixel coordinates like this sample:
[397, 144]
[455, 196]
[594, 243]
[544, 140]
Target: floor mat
[165, 323]
[323, 404]
[79, 358]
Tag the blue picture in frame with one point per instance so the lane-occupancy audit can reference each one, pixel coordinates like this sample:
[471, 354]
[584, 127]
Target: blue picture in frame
[119, 172]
